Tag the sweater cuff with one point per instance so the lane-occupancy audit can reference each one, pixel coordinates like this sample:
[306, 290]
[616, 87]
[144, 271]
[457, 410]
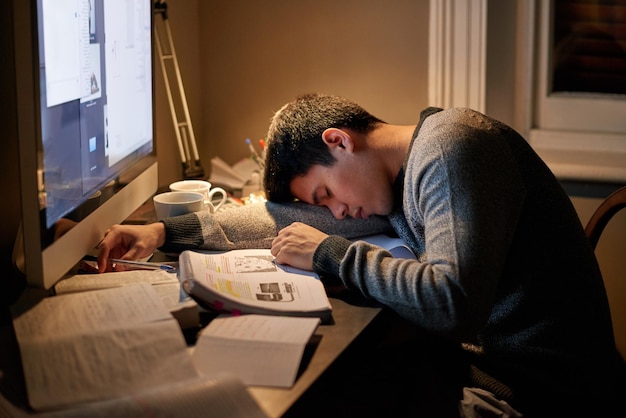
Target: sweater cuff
[181, 233]
[328, 255]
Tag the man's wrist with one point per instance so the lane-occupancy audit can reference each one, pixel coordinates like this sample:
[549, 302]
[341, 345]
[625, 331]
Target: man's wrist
[328, 255]
[160, 233]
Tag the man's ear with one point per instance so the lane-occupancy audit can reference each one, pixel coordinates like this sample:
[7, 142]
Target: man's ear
[338, 138]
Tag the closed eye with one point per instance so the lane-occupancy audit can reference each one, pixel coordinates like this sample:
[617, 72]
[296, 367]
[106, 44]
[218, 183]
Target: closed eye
[320, 198]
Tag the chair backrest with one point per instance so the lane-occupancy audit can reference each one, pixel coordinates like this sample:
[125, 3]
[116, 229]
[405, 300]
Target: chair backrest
[603, 214]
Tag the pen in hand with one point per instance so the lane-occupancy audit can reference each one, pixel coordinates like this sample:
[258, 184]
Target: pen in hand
[143, 265]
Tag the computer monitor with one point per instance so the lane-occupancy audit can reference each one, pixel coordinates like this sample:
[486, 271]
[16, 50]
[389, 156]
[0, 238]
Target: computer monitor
[85, 116]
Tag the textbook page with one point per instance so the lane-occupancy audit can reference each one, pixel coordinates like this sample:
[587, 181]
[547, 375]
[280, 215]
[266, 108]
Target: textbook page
[89, 346]
[82, 282]
[250, 281]
[261, 350]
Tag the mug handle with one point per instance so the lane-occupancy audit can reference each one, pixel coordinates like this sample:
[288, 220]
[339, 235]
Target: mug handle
[222, 200]
[208, 206]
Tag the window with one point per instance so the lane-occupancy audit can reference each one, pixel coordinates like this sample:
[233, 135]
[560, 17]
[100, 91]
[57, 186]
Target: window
[579, 120]
[589, 47]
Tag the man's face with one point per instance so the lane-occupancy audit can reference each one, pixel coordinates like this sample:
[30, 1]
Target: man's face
[350, 187]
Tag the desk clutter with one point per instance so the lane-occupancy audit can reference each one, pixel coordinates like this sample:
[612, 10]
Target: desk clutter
[241, 184]
[242, 179]
[116, 342]
[104, 348]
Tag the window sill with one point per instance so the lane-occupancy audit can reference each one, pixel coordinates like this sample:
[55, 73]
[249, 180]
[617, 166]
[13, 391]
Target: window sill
[596, 166]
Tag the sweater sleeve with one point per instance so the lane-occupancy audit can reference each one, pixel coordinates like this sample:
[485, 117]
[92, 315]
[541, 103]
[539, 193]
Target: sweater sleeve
[256, 226]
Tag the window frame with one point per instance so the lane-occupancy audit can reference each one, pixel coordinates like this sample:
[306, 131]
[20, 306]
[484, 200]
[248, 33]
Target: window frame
[582, 137]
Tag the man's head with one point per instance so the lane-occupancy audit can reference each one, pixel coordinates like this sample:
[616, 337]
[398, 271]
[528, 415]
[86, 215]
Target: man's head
[294, 138]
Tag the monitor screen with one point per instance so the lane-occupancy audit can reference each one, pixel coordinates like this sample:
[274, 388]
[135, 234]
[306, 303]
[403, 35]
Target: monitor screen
[93, 160]
[95, 97]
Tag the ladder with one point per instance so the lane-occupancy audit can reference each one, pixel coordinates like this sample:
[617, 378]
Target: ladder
[192, 168]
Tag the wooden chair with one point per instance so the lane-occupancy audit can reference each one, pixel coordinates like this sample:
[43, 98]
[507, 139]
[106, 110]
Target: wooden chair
[615, 202]
[603, 214]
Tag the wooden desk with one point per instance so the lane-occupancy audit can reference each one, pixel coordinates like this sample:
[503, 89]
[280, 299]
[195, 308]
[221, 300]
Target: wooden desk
[349, 322]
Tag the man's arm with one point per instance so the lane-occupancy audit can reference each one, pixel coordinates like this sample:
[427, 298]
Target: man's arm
[256, 225]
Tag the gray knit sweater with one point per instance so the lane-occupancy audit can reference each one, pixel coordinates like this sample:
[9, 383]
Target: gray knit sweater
[504, 266]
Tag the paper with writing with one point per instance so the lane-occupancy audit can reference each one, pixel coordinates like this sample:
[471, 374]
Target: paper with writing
[83, 282]
[91, 346]
[203, 397]
[165, 284]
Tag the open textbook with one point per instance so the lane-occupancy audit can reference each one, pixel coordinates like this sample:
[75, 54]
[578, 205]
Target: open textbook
[250, 281]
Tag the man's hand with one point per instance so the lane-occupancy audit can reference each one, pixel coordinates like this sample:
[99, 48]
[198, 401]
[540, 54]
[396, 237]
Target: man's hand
[129, 242]
[296, 244]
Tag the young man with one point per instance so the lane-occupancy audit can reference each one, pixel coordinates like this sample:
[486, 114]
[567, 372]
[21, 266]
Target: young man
[504, 270]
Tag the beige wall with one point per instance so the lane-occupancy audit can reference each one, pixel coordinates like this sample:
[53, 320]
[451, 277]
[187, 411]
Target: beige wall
[242, 60]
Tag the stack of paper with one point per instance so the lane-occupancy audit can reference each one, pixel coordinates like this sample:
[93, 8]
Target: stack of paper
[232, 178]
[261, 350]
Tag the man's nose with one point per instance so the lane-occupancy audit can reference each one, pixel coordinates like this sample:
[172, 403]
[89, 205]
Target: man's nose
[339, 210]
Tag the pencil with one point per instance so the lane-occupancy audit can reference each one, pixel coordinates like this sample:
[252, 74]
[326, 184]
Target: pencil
[143, 264]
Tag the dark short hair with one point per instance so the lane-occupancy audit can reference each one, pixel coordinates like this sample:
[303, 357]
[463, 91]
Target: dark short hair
[294, 139]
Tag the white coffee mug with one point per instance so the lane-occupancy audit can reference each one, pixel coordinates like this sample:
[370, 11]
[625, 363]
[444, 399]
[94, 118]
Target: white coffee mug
[204, 187]
[170, 204]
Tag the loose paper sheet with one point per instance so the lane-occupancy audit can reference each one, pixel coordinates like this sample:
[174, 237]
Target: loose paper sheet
[202, 397]
[166, 284]
[226, 176]
[96, 345]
